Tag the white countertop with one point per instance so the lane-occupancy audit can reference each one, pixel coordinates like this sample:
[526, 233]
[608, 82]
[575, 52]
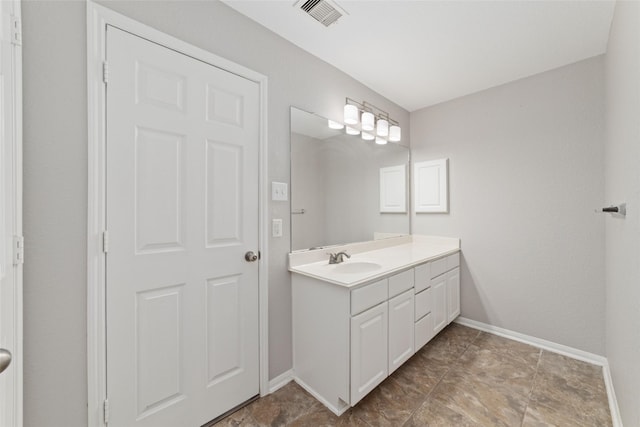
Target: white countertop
[393, 255]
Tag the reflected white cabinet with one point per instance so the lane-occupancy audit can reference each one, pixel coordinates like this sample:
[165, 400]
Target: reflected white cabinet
[369, 331]
[401, 333]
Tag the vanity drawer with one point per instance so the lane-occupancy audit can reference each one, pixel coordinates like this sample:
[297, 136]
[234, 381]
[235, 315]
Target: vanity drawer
[423, 331]
[438, 267]
[422, 275]
[453, 261]
[400, 283]
[423, 303]
[368, 296]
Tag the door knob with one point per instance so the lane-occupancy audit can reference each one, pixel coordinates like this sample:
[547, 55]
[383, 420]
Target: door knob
[251, 256]
[5, 359]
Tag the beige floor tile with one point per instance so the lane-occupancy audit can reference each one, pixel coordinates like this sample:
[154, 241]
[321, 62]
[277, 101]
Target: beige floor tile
[449, 344]
[461, 378]
[282, 407]
[489, 405]
[433, 414]
[390, 404]
[574, 371]
[541, 416]
[497, 368]
[582, 402]
[514, 349]
[420, 374]
[319, 416]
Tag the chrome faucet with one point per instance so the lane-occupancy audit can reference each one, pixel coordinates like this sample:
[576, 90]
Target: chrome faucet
[338, 258]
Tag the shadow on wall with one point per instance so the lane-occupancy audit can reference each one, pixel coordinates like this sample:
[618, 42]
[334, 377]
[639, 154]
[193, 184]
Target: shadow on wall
[470, 294]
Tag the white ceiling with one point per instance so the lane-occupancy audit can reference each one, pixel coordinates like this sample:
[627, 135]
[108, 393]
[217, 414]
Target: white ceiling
[419, 53]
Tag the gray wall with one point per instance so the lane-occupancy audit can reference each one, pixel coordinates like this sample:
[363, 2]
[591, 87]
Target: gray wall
[622, 184]
[526, 174]
[55, 175]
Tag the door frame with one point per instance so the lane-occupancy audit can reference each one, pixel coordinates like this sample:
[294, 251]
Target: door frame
[98, 17]
[11, 409]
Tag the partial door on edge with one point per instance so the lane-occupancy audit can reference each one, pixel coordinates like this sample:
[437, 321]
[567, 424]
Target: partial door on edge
[182, 210]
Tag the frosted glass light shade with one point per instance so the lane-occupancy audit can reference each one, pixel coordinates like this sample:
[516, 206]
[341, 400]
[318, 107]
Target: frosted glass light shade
[352, 131]
[350, 114]
[368, 121]
[383, 128]
[394, 133]
[367, 136]
[335, 125]
[380, 140]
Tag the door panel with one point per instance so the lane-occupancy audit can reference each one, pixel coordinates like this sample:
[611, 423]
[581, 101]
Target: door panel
[182, 209]
[453, 294]
[369, 349]
[159, 319]
[401, 329]
[439, 301]
[224, 329]
[224, 194]
[160, 177]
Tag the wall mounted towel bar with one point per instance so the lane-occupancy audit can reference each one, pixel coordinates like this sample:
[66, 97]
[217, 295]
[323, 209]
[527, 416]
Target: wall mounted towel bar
[620, 209]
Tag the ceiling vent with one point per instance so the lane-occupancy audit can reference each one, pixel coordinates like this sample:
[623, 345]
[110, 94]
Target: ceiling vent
[323, 11]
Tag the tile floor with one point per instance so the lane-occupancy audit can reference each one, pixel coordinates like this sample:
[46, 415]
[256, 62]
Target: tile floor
[463, 377]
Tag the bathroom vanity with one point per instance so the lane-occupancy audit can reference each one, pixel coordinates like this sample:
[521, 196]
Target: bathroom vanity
[356, 322]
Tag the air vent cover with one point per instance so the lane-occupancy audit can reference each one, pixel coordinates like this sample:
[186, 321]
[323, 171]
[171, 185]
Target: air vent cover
[322, 11]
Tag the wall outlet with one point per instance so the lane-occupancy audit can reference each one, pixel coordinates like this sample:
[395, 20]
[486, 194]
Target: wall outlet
[279, 191]
[276, 227]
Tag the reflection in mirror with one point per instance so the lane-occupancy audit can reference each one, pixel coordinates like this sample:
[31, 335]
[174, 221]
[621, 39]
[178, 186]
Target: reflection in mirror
[344, 189]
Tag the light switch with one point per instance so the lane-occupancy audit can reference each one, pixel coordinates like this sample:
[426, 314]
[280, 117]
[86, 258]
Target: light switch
[276, 227]
[279, 191]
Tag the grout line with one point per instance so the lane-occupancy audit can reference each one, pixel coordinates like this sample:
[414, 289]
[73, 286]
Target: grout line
[449, 368]
[533, 386]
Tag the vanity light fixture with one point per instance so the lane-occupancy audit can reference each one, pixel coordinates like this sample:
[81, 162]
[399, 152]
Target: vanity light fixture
[380, 140]
[372, 119]
[352, 131]
[351, 114]
[368, 121]
[335, 125]
[382, 129]
[394, 133]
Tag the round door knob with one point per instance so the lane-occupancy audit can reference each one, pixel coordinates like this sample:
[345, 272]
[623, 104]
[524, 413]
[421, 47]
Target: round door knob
[5, 359]
[250, 256]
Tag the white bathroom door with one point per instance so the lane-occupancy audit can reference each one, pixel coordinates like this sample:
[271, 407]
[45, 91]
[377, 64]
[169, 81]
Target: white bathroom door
[182, 212]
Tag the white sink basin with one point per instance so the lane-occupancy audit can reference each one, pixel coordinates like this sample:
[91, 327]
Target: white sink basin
[356, 267]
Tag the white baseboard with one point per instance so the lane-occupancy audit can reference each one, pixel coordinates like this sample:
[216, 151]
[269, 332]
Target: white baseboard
[280, 381]
[312, 392]
[616, 419]
[574, 353]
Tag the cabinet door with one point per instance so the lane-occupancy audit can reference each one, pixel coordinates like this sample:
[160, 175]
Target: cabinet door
[401, 329]
[453, 294]
[439, 301]
[369, 349]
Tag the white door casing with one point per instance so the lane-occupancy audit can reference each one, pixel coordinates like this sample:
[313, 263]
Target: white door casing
[11, 243]
[182, 196]
[98, 19]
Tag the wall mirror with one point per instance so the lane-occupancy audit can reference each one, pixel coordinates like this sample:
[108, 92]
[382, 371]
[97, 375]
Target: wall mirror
[344, 189]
